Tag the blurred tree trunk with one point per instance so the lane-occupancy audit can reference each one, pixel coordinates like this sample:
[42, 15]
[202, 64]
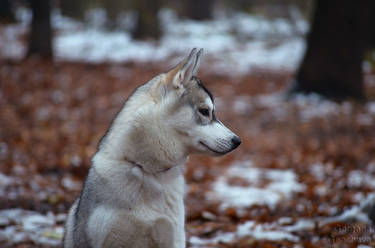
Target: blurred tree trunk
[73, 8]
[40, 40]
[147, 24]
[332, 65]
[372, 213]
[112, 9]
[200, 9]
[6, 11]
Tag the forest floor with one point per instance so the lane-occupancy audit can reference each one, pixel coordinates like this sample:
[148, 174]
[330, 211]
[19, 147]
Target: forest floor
[304, 175]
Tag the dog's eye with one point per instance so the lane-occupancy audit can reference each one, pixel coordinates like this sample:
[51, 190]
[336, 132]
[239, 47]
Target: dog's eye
[204, 112]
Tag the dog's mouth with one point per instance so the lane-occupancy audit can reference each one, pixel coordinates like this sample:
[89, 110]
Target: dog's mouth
[212, 150]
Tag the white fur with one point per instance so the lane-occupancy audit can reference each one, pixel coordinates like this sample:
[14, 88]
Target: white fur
[216, 136]
[141, 161]
[150, 198]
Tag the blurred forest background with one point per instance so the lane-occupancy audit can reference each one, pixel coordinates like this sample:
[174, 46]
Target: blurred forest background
[295, 79]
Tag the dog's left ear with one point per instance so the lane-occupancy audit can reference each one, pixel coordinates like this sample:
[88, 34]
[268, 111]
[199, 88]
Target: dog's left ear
[179, 76]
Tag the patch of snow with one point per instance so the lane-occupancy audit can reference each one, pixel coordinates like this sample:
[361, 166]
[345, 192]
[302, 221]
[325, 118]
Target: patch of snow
[358, 213]
[358, 197]
[5, 180]
[371, 107]
[37, 221]
[276, 104]
[10, 45]
[250, 229]
[261, 232]
[301, 224]
[12, 235]
[221, 237]
[358, 178]
[244, 197]
[3, 150]
[15, 214]
[96, 18]
[235, 44]
[71, 184]
[24, 225]
[366, 66]
[285, 220]
[4, 221]
[241, 104]
[321, 190]
[371, 167]
[282, 184]
[281, 230]
[273, 100]
[313, 105]
[318, 170]
[61, 217]
[305, 106]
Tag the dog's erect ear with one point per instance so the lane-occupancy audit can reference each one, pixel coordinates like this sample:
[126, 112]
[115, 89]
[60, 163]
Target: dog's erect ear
[182, 73]
[185, 68]
[197, 63]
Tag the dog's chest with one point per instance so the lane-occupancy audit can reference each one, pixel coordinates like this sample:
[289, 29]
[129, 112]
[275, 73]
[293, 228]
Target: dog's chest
[169, 206]
[169, 202]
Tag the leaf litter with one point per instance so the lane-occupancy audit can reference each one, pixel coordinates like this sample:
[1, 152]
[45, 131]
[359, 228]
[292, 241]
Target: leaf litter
[303, 176]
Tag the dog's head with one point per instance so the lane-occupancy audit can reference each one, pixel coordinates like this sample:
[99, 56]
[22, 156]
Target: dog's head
[191, 110]
[168, 118]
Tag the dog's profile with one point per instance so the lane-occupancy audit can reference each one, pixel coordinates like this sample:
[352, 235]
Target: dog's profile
[133, 196]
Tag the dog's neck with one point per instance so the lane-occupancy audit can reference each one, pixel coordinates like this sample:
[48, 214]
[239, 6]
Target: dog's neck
[142, 168]
[141, 136]
[127, 175]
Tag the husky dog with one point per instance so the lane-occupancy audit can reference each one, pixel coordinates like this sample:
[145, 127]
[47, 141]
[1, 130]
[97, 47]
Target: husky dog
[133, 196]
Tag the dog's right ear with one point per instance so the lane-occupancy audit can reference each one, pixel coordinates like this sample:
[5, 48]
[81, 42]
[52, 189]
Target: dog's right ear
[181, 74]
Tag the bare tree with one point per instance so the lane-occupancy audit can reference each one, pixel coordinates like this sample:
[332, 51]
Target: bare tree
[147, 25]
[6, 11]
[332, 65]
[113, 9]
[40, 40]
[200, 9]
[73, 8]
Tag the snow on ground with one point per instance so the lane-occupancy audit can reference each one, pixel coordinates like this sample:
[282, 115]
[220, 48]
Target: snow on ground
[249, 228]
[5, 180]
[285, 228]
[235, 43]
[19, 225]
[10, 46]
[358, 213]
[306, 106]
[276, 231]
[241, 186]
[282, 184]
[358, 178]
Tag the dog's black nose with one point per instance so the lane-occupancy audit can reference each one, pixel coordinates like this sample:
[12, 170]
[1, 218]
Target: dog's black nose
[235, 142]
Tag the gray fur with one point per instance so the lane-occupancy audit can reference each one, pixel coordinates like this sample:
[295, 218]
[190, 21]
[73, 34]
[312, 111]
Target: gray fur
[133, 194]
